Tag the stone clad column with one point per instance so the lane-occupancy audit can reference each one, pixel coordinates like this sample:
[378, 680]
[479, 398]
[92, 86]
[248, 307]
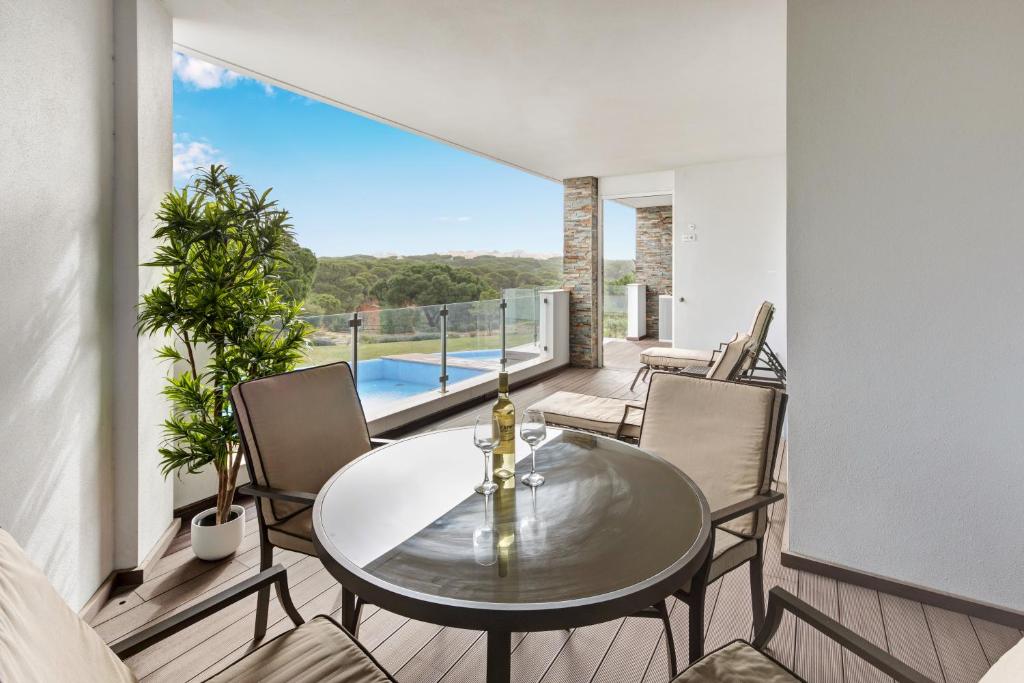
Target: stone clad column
[654, 258]
[581, 269]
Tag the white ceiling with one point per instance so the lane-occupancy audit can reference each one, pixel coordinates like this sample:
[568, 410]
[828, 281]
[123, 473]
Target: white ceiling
[561, 88]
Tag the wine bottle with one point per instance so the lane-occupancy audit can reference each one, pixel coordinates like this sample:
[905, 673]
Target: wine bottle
[505, 415]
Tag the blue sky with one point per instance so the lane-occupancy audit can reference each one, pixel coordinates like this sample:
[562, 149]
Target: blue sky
[355, 186]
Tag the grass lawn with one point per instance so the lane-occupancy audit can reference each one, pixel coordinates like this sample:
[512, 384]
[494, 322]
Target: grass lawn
[319, 355]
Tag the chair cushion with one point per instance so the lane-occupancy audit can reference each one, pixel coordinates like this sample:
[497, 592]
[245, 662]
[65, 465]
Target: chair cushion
[721, 434]
[300, 428]
[41, 638]
[737, 662]
[675, 358]
[295, 533]
[730, 362]
[318, 651]
[1009, 668]
[730, 551]
[592, 413]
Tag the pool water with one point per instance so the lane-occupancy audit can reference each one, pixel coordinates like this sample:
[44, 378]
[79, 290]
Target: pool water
[383, 380]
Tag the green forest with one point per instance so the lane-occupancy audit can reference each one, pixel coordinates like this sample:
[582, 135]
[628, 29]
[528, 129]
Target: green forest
[341, 284]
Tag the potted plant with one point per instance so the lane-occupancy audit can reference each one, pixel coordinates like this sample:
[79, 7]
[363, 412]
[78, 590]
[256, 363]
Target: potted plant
[222, 248]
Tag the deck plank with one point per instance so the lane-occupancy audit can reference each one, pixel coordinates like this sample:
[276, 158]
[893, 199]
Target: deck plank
[860, 610]
[957, 645]
[909, 637]
[816, 657]
[995, 639]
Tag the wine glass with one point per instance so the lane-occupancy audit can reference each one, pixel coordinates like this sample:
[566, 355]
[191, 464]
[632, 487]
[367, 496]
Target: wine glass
[533, 430]
[485, 540]
[486, 437]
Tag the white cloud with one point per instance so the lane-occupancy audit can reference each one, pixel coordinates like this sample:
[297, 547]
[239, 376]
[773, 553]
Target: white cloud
[190, 154]
[200, 75]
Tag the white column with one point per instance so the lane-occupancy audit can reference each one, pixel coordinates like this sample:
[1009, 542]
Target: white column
[636, 311]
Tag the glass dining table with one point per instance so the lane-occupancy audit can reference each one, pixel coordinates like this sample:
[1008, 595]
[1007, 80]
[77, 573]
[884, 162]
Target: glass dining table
[612, 531]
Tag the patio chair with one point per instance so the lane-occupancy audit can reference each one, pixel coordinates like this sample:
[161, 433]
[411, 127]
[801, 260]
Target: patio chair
[725, 436]
[694, 362]
[296, 429]
[621, 418]
[42, 639]
[748, 662]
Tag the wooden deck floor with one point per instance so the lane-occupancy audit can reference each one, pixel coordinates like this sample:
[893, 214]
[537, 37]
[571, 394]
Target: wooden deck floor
[947, 646]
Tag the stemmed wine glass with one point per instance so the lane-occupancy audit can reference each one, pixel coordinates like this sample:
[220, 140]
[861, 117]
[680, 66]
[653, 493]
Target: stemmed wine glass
[533, 430]
[486, 437]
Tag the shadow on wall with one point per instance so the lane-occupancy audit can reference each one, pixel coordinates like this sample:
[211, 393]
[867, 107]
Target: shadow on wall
[56, 492]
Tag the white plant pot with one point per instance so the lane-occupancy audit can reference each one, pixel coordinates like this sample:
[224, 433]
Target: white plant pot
[215, 542]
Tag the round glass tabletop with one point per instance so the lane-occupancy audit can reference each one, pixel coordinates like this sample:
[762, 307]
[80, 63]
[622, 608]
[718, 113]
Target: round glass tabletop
[612, 529]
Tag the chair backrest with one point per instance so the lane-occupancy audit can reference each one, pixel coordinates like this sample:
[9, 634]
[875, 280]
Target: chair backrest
[758, 334]
[298, 429]
[729, 363]
[724, 435]
[41, 638]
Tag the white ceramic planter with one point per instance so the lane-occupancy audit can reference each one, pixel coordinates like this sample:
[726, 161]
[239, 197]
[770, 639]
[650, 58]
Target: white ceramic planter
[220, 540]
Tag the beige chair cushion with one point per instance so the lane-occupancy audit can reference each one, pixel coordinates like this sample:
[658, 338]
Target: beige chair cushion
[721, 434]
[300, 428]
[737, 662]
[730, 362]
[319, 651]
[759, 332]
[1009, 668]
[730, 551]
[592, 413]
[41, 638]
[675, 358]
[295, 533]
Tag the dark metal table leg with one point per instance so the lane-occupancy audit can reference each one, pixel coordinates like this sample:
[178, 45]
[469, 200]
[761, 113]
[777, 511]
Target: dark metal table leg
[349, 611]
[499, 656]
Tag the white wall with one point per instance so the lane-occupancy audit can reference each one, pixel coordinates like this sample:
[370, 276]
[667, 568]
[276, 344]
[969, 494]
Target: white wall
[906, 283]
[739, 257]
[56, 175]
[142, 161]
[57, 356]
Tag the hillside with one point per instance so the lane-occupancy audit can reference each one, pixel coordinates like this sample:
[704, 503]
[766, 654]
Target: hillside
[344, 283]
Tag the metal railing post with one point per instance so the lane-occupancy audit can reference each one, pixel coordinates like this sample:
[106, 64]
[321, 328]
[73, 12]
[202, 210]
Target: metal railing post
[503, 306]
[444, 348]
[355, 323]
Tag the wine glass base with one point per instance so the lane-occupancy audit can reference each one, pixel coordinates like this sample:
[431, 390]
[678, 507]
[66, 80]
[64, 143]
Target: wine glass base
[486, 488]
[533, 479]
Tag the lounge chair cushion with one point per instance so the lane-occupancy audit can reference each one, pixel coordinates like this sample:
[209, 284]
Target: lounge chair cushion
[300, 428]
[592, 413]
[721, 434]
[1009, 668]
[41, 638]
[737, 662]
[675, 358]
[318, 651]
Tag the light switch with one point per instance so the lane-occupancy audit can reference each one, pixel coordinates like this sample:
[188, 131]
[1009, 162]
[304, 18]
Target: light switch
[692, 237]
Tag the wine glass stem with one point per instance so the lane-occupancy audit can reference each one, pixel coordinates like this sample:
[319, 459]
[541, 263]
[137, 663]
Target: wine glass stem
[533, 460]
[487, 466]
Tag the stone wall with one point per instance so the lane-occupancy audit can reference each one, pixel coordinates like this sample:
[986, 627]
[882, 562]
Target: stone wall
[581, 270]
[654, 258]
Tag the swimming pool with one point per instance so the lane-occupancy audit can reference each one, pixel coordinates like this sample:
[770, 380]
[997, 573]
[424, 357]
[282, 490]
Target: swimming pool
[383, 380]
[483, 354]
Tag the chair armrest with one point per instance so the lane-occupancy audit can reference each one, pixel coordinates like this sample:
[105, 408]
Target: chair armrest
[378, 441]
[167, 627]
[278, 494]
[780, 600]
[745, 507]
